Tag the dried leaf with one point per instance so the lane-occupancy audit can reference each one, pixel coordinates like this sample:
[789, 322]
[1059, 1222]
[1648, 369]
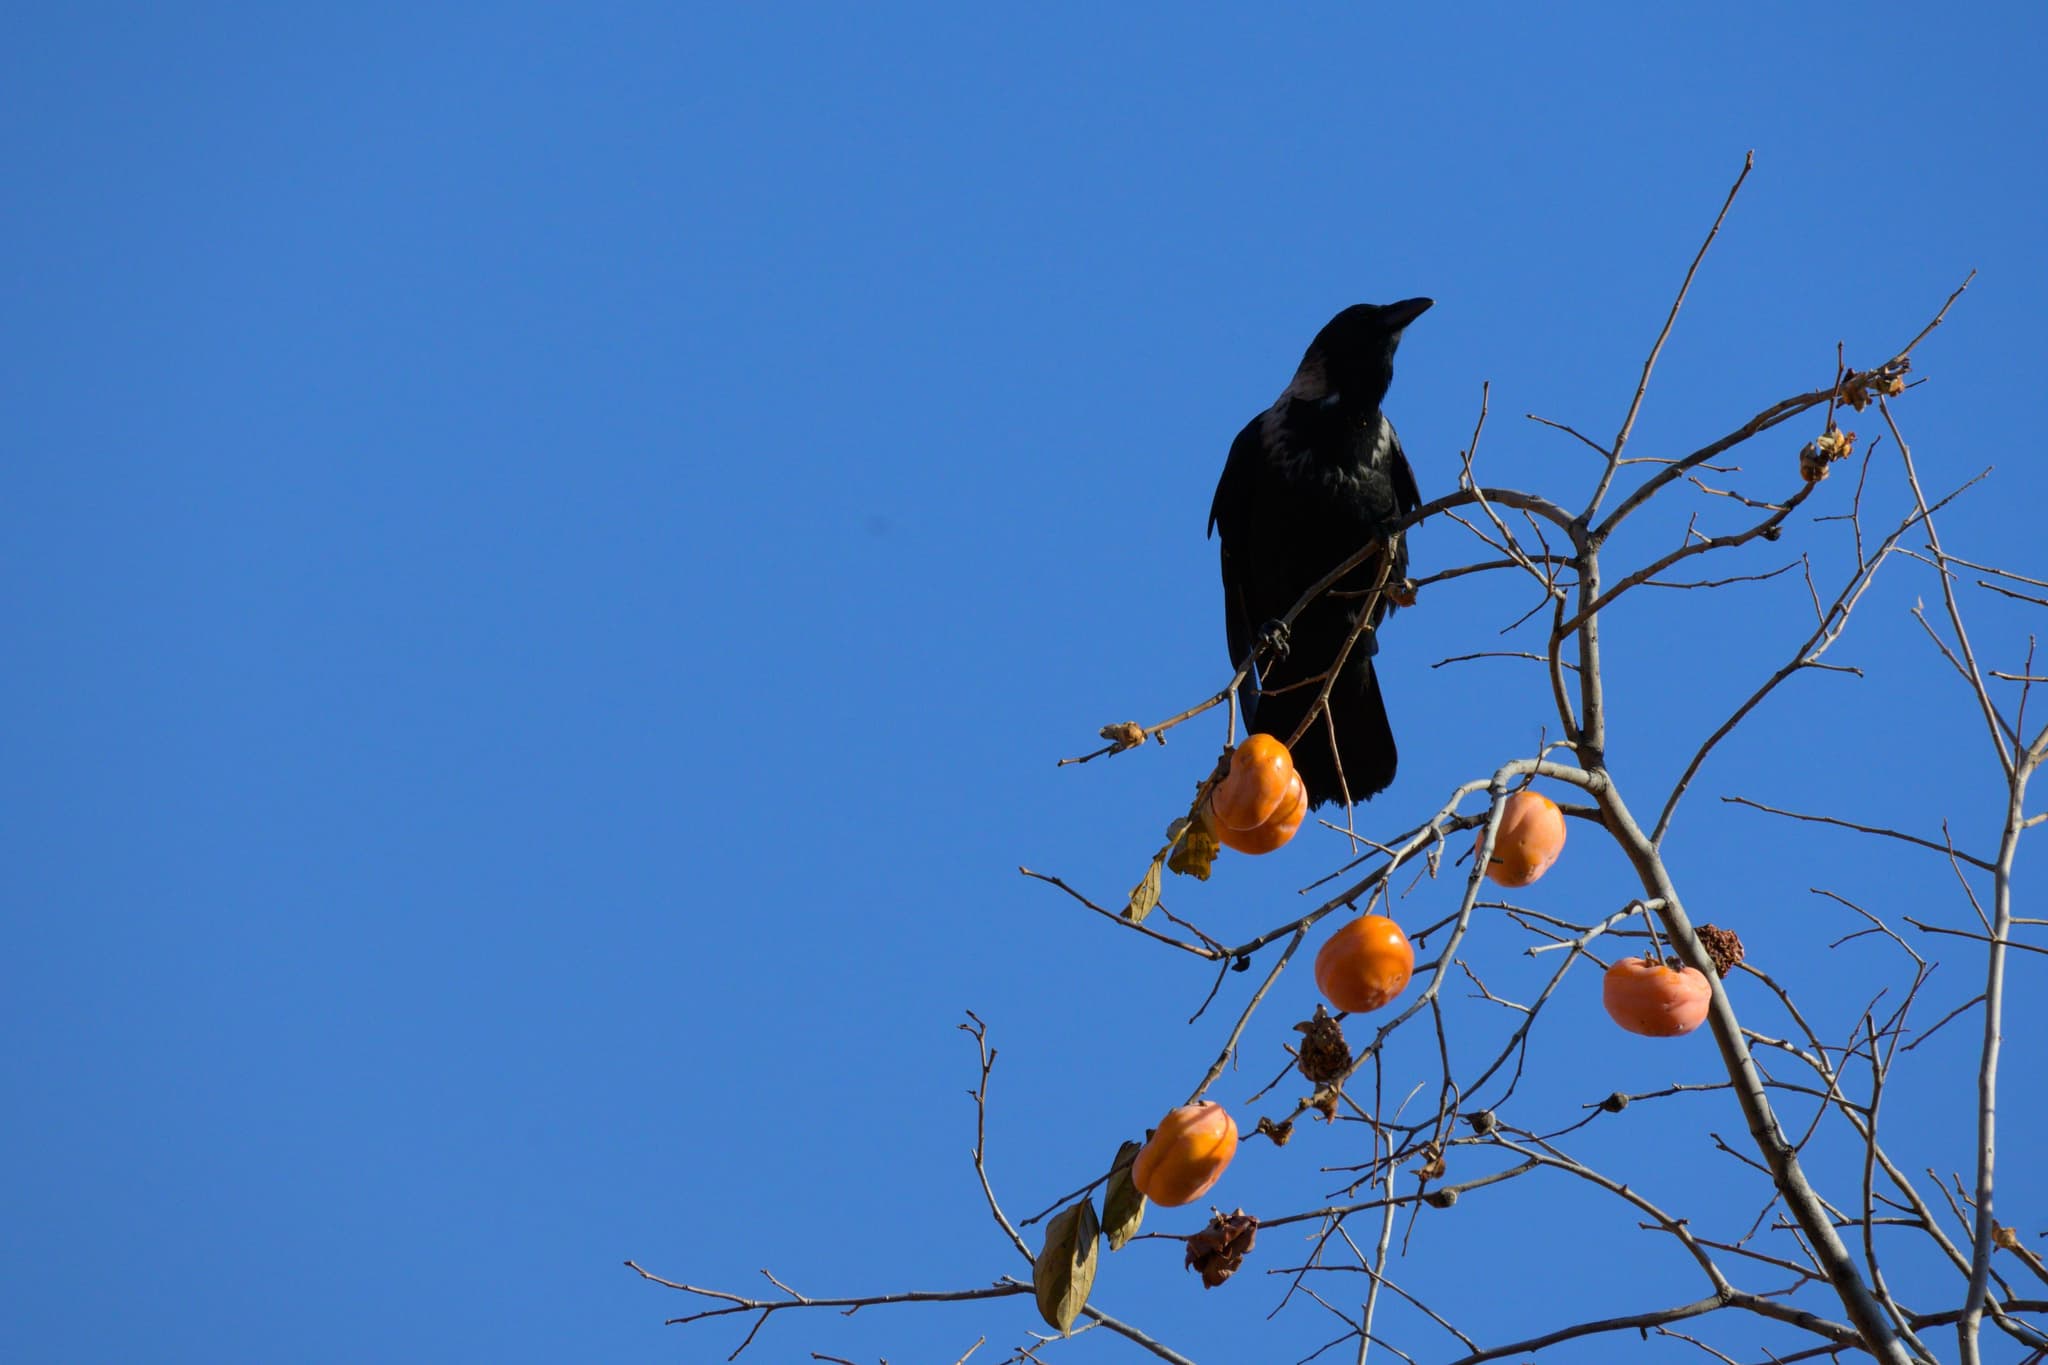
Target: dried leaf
[1859, 389]
[1817, 455]
[1065, 1269]
[1196, 852]
[1145, 895]
[1219, 1249]
[1126, 734]
[1432, 1167]
[2005, 1236]
[1194, 844]
[1123, 1208]
[1279, 1132]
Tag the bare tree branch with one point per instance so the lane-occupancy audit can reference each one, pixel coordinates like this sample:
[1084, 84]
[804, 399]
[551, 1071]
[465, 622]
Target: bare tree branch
[1650, 362]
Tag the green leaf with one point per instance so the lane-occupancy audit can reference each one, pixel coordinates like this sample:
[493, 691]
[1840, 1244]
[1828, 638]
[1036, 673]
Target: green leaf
[1065, 1269]
[1145, 895]
[1123, 1208]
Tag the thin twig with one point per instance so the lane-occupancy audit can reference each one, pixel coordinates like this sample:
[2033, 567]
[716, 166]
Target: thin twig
[1650, 362]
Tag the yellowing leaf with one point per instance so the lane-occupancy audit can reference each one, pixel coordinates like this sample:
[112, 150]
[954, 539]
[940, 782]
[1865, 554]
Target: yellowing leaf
[1065, 1269]
[1123, 1208]
[1145, 895]
[1196, 852]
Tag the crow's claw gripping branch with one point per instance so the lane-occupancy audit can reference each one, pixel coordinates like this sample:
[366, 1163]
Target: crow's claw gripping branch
[1274, 640]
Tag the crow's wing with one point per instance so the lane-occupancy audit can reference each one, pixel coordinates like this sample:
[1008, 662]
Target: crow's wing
[1230, 515]
[1407, 497]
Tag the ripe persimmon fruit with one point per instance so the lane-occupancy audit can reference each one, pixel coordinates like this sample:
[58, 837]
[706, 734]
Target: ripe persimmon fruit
[1530, 838]
[1277, 829]
[1655, 1000]
[1364, 964]
[1257, 786]
[1186, 1154]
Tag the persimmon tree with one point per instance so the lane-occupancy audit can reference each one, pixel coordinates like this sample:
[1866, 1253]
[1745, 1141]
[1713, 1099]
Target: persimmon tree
[1810, 1254]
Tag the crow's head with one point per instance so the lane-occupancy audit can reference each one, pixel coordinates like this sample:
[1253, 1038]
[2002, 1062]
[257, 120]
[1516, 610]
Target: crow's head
[1351, 361]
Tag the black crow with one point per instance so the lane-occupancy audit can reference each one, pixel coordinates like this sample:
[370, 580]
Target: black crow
[1309, 482]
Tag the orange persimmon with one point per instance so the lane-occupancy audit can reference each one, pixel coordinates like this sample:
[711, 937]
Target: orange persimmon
[1278, 827]
[1530, 838]
[1257, 786]
[1655, 1000]
[1365, 964]
[1186, 1154]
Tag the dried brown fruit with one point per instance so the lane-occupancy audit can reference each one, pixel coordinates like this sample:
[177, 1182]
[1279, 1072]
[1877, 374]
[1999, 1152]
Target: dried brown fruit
[1324, 1056]
[1324, 1102]
[1432, 1167]
[1722, 945]
[1219, 1249]
[1440, 1199]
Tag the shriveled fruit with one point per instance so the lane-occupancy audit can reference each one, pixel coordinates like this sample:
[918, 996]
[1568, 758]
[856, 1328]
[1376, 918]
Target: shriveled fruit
[1258, 786]
[1218, 1251]
[1655, 1000]
[1530, 838]
[1186, 1154]
[1277, 829]
[1364, 964]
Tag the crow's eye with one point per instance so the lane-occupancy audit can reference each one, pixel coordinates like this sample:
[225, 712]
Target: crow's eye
[1329, 400]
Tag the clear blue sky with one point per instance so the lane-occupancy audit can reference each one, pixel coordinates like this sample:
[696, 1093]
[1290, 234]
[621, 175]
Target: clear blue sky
[550, 551]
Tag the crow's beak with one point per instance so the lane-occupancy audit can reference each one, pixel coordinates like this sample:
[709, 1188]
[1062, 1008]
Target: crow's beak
[1407, 310]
